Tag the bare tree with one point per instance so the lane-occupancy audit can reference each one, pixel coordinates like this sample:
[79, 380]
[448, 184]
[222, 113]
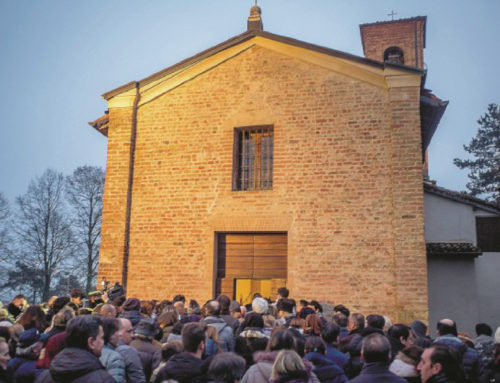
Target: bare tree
[44, 233]
[84, 191]
[4, 229]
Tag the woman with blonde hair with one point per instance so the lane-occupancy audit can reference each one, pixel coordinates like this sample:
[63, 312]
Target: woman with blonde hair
[289, 367]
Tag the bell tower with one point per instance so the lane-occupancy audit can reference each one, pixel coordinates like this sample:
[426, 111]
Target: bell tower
[398, 41]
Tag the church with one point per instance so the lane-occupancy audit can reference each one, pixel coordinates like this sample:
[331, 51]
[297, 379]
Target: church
[267, 161]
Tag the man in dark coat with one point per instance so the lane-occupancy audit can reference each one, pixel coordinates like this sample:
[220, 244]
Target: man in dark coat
[149, 351]
[79, 361]
[329, 334]
[376, 355]
[188, 367]
[440, 364]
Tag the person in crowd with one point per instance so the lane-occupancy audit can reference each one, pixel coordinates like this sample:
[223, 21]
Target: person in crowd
[33, 317]
[316, 306]
[193, 312]
[341, 320]
[23, 365]
[351, 346]
[108, 311]
[376, 355]
[112, 360]
[168, 350]
[54, 346]
[405, 364]
[289, 367]
[176, 332]
[329, 334]
[447, 334]
[58, 304]
[342, 309]
[149, 352]
[324, 368]
[235, 311]
[313, 325]
[147, 309]
[356, 323]
[77, 296]
[282, 293]
[133, 366]
[252, 337]
[285, 312]
[264, 360]
[440, 364]
[130, 311]
[374, 324]
[179, 298]
[484, 344]
[79, 361]
[212, 346]
[420, 328]
[17, 306]
[269, 321]
[59, 321]
[188, 366]
[181, 310]
[166, 321]
[212, 318]
[260, 305]
[4, 360]
[297, 330]
[304, 310]
[398, 335]
[224, 303]
[226, 367]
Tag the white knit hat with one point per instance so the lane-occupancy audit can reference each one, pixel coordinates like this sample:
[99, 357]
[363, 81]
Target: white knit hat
[497, 336]
[260, 306]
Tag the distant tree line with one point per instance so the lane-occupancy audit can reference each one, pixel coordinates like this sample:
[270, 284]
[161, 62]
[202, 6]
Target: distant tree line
[50, 236]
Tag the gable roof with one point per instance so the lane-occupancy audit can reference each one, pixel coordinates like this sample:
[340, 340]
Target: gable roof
[248, 35]
[462, 198]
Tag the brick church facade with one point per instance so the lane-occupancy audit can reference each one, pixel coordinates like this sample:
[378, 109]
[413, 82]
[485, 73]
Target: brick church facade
[273, 161]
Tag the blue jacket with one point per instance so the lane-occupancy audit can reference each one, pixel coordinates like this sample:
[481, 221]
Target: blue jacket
[325, 369]
[336, 356]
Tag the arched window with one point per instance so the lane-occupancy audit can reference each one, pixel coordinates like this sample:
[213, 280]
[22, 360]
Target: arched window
[394, 55]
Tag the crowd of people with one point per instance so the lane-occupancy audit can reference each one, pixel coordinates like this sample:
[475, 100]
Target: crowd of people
[112, 338]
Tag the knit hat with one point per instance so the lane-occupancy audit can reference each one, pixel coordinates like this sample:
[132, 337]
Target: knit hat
[260, 306]
[497, 336]
[146, 327]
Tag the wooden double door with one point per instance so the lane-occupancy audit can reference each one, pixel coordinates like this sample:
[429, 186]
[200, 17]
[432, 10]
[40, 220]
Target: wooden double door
[249, 263]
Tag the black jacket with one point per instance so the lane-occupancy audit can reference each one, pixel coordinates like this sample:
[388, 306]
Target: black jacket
[184, 368]
[75, 365]
[376, 373]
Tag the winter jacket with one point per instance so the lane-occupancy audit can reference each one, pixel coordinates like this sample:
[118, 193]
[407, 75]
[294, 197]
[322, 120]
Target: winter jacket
[485, 347]
[23, 366]
[376, 373]
[336, 356]
[133, 366]
[149, 354]
[232, 322]
[226, 335]
[470, 357]
[262, 369]
[396, 346]
[402, 367]
[75, 365]
[248, 342]
[114, 363]
[184, 368]
[325, 369]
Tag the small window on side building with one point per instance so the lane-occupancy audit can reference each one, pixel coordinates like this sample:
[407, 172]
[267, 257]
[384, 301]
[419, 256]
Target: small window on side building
[488, 233]
[253, 158]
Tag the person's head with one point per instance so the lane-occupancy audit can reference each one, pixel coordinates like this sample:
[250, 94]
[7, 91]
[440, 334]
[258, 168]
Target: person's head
[110, 327]
[340, 319]
[315, 344]
[356, 322]
[19, 301]
[193, 308]
[439, 359]
[375, 321]
[235, 308]
[146, 329]
[317, 306]
[419, 327]
[59, 303]
[33, 317]
[281, 340]
[224, 302]
[285, 306]
[313, 324]
[483, 329]
[85, 332]
[330, 332]
[108, 310]
[51, 300]
[260, 305]
[447, 327]
[400, 332]
[289, 363]
[170, 349]
[62, 318]
[283, 292]
[147, 308]
[253, 320]
[376, 349]
[179, 298]
[131, 304]
[76, 295]
[212, 308]
[342, 309]
[125, 331]
[303, 303]
[226, 367]
[193, 337]
[179, 307]
[167, 319]
[4, 354]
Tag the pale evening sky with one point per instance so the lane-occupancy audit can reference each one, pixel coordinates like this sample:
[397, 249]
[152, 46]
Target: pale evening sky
[58, 56]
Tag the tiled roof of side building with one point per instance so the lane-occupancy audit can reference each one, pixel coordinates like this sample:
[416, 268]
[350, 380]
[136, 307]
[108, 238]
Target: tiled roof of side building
[453, 249]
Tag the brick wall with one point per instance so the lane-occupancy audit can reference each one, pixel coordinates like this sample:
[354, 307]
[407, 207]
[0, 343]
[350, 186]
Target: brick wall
[346, 188]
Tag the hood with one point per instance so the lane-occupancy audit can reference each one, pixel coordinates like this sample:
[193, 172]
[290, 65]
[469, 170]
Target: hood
[403, 369]
[265, 356]
[72, 363]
